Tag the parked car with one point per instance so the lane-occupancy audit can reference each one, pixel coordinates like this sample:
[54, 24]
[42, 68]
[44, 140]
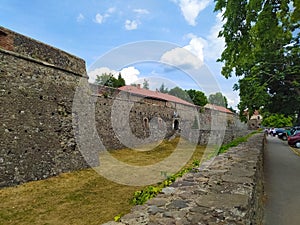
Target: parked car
[294, 130]
[283, 136]
[284, 133]
[279, 131]
[294, 140]
[288, 132]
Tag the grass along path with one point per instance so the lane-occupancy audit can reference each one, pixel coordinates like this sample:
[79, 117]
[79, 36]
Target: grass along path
[81, 197]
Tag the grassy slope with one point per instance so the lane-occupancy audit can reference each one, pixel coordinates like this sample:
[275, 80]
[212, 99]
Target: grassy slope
[81, 197]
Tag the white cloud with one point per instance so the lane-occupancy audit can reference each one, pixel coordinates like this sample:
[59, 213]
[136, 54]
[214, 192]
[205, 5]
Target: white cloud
[190, 56]
[196, 46]
[182, 58]
[131, 24]
[141, 11]
[99, 18]
[209, 47]
[80, 17]
[130, 74]
[191, 9]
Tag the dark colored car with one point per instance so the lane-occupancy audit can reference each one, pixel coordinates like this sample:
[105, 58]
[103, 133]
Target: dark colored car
[283, 135]
[294, 130]
[288, 132]
[279, 131]
[294, 140]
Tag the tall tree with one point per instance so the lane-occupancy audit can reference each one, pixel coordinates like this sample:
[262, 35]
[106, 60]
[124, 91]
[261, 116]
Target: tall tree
[262, 48]
[198, 97]
[218, 99]
[163, 89]
[146, 84]
[120, 81]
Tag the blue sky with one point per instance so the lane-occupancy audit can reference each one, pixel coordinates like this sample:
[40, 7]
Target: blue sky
[92, 29]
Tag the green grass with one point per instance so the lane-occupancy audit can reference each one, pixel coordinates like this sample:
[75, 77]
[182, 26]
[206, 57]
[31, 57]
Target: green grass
[235, 143]
[80, 197]
[84, 197]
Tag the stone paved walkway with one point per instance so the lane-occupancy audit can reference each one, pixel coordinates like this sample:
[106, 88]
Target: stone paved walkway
[226, 190]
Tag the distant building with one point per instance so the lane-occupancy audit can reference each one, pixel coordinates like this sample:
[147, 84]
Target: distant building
[254, 121]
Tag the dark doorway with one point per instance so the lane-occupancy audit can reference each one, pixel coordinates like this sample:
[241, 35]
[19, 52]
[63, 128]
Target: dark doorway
[176, 124]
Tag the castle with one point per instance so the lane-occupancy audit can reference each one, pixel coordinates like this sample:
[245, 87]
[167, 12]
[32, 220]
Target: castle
[49, 113]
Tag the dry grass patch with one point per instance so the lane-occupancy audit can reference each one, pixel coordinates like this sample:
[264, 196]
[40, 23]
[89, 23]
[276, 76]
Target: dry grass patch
[81, 197]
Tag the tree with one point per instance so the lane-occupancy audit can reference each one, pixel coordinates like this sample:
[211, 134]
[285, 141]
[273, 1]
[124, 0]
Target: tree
[163, 89]
[263, 49]
[120, 81]
[180, 93]
[277, 120]
[198, 97]
[218, 99]
[109, 80]
[146, 84]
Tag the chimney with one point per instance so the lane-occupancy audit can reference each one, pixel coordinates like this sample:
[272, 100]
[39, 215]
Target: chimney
[139, 86]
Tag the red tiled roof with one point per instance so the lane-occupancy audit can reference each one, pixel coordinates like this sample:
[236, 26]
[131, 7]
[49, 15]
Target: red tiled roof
[154, 94]
[167, 97]
[218, 108]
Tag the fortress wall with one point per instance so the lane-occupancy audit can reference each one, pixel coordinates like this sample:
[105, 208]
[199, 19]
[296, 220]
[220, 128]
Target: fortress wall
[152, 120]
[37, 85]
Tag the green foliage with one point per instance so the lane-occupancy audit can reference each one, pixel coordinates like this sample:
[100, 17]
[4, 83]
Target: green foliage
[180, 93]
[163, 89]
[118, 217]
[198, 97]
[146, 84]
[263, 50]
[235, 142]
[218, 99]
[120, 81]
[277, 120]
[193, 96]
[196, 163]
[140, 197]
[109, 80]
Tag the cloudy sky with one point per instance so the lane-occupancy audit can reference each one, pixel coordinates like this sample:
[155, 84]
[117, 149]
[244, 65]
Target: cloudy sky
[164, 41]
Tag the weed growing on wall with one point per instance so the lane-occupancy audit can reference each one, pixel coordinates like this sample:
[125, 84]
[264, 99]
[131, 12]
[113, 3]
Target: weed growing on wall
[140, 197]
[235, 143]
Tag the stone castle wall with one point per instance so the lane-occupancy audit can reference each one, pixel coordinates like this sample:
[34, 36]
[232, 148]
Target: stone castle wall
[39, 126]
[150, 120]
[37, 84]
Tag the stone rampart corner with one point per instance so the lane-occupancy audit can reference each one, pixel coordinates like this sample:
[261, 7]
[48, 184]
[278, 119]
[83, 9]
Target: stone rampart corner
[35, 50]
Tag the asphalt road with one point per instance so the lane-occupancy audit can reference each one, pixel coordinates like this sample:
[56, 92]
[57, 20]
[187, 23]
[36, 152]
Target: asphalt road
[282, 183]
